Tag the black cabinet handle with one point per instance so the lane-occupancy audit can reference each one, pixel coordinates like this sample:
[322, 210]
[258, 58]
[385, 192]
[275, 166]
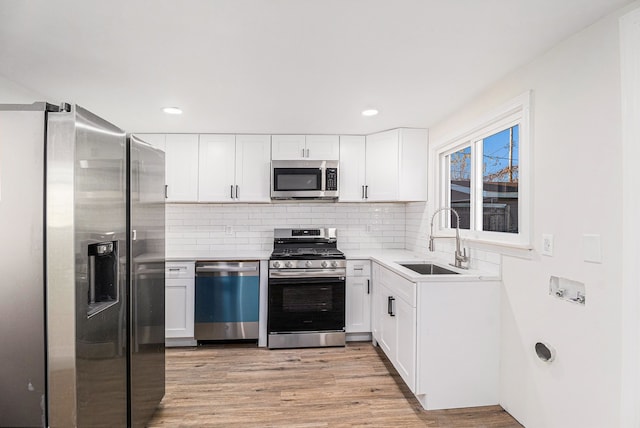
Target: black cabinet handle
[390, 301]
[237, 193]
[366, 192]
[368, 286]
[166, 191]
[231, 191]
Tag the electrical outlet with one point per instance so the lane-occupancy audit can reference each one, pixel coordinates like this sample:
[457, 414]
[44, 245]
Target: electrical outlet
[228, 230]
[547, 245]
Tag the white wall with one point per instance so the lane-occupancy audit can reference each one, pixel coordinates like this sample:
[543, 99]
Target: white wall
[13, 93]
[577, 182]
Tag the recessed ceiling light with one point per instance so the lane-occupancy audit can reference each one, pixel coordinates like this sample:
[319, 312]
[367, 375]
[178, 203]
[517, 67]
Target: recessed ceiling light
[172, 110]
[370, 112]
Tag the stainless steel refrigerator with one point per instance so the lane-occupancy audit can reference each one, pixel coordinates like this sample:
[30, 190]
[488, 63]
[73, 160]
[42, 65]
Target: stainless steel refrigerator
[81, 294]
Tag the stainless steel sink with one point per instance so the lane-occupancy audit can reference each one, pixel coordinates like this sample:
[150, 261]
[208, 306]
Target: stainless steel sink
[428, 269]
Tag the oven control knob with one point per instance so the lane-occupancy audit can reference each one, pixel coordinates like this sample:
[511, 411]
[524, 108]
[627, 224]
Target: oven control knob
[276, 264]
[308, 263]
[288, 264]
[323, 264]
[334, 264]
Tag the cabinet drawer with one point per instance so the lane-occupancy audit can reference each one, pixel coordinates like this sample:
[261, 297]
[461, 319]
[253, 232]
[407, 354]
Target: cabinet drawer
[358, 268]
[179, 270]
[399, 286]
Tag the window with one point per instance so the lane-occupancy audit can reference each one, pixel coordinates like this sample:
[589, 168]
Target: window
[484, 177]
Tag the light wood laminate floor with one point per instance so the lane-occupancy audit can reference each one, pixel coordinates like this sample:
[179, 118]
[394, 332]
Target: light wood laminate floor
[245, 386]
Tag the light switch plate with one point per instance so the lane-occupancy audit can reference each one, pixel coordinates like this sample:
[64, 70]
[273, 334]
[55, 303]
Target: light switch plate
[547, 245]
[591, 248]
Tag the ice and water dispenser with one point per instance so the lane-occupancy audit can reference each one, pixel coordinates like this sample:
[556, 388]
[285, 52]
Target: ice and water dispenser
[103, 276]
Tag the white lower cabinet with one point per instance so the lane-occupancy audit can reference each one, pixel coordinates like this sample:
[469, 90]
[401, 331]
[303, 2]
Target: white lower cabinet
[395, 311]
[441, 336]
[179, 303]
[358, 299]
[458, 344]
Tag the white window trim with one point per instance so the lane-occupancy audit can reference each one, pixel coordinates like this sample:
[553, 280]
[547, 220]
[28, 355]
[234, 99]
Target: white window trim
[517, 110]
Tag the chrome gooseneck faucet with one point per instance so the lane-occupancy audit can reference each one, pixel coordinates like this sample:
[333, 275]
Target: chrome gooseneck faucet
[460, 256]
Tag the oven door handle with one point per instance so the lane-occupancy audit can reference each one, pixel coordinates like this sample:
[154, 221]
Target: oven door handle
[315, 273]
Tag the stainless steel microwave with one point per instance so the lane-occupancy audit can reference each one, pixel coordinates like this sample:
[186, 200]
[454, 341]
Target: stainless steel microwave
[308, 179]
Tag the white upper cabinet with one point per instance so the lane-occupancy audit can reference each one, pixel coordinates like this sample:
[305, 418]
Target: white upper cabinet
[216, 168]
[323, 147]
[384, 167]
[305, 147]
[253, 168]
[234, 168]
[287, 147]
[396, 165]
[389, 166]
[182, 167]
[352, 176]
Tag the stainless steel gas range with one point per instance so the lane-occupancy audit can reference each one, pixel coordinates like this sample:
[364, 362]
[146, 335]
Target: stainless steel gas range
[306, 306]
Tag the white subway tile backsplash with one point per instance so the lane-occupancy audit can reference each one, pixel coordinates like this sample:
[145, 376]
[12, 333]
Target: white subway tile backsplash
[207, 228]
[239, 227]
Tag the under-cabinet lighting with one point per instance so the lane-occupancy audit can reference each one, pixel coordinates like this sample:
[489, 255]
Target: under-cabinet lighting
[370, 112]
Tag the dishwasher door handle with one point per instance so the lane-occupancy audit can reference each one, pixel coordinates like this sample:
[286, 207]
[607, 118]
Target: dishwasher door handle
[232, 269]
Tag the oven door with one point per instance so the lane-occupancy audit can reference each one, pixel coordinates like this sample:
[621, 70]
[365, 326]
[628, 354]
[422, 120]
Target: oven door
[306, 304]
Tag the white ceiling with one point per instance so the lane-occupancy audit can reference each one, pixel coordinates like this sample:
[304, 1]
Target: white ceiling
[277, 66]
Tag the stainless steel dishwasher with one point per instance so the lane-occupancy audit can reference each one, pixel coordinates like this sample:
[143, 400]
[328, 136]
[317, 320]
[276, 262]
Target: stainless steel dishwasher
[227, 300]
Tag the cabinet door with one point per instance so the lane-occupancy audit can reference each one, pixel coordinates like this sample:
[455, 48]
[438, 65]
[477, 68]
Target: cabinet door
[182, 167]
[156, 140]
[179, 308]
[358, 305]
[288, 147]
[216, 176]
[352, 168]
[413, 164]
[388, 334]
[322, 147]
[405, 334]
[376, 305]
[253, 175]
[382, 166]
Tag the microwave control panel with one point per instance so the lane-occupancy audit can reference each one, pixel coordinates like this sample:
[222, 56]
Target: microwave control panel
[332, 179]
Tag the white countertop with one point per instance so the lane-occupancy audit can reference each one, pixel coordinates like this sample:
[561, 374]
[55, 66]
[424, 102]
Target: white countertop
[224, 255]
[388, 258]
[391, 259]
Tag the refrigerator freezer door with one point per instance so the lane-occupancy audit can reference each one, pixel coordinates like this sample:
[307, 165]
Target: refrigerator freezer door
[86, 205]
[147, 228]
[22, 345]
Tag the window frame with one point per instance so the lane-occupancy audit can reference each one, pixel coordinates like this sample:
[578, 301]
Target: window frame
[515, 112]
